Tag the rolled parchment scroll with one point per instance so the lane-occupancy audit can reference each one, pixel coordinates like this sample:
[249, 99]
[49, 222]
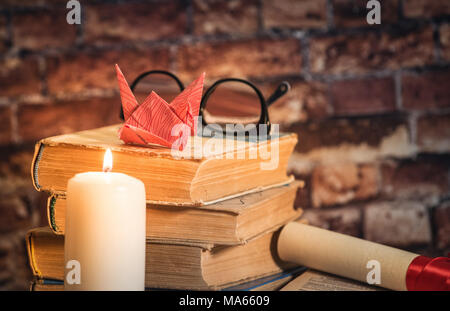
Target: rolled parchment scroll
[343, 255]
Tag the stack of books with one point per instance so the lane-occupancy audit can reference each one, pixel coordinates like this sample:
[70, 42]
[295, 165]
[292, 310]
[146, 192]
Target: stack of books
[212, 217]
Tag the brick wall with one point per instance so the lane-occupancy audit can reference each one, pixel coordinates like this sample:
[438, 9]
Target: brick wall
[371, 104]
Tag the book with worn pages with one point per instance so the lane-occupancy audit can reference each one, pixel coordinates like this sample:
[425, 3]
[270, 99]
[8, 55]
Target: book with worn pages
[233, 221]
[267, 283]
[312, 280]
[208, 170]
[174, 266]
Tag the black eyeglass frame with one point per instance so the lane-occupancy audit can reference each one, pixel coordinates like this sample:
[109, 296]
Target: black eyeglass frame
[281, 90]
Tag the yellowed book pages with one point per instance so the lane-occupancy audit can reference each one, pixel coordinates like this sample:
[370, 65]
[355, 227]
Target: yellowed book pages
[39, 285]
[318, 281]
[174, 266]
[229, 222]
[267, 283]
[39, 239]
[203, 175]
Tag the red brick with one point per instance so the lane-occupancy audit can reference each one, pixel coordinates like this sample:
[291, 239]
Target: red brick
[15, 270]
[369, 181]
[304, 101]
[19, 76]
[307, 100]
[433, 133]
[442, 221]
[341, 183]
[360, 53]
[425, 8]
[303, 197]
[444, 33]
[15, 164]
[346, 220]
[4, 36]
[397, 223]
[134, 21]
[37, 121]
[31, 3]
[334, 184]
[18, 202]
[5, 125]
[220, 16]
[6, 249]
[426, 91]
[19, 212]
[295, 14]
[79, 71]
[249, 58]
[368, 96]
[42, 29]
[353, 13]
[424, 179]
[14, 214]
[335, 132]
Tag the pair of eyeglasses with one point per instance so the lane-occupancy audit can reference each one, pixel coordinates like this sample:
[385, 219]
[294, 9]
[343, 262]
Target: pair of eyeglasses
[256, 95]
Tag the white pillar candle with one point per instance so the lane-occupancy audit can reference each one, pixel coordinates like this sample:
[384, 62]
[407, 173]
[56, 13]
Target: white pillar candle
[105, 231]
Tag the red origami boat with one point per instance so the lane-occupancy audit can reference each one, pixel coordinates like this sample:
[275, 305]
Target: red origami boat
[157, 122]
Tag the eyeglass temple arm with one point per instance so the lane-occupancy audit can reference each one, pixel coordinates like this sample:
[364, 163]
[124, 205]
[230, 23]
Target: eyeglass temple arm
[281, 89]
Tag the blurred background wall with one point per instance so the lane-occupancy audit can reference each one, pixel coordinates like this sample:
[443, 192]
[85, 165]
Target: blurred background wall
[370, 103]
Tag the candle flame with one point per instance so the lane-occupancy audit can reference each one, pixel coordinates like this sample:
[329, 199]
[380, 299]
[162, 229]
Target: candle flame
[107, 161]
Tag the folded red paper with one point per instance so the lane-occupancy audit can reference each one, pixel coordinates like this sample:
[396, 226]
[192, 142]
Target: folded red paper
[157, 122]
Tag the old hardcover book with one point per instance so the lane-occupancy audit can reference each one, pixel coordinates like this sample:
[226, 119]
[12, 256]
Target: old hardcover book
[44, 285]
[271, 282]
[228, 222]
[208, 170]
[174, 266]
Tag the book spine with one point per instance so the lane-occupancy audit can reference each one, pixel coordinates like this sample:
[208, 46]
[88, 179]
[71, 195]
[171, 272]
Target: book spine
[30, 251]
[38, 150]
[51, 212]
